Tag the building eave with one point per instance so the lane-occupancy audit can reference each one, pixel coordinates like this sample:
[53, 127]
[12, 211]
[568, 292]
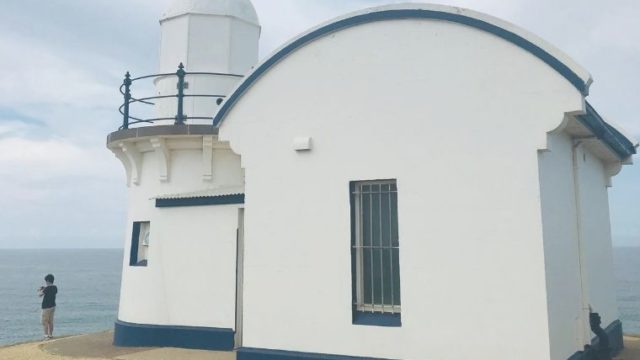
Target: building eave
[622, 146]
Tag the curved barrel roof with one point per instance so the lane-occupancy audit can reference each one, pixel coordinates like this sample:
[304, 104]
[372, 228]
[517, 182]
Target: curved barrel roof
[555, 58]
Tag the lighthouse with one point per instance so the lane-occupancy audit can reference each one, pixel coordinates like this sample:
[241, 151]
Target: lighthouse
[430, 171]
[185, 187]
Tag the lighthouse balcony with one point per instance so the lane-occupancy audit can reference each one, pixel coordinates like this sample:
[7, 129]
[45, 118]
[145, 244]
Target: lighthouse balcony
[180, 98]
[171, 127]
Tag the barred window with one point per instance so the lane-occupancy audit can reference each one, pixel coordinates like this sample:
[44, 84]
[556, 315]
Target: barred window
[375, 252]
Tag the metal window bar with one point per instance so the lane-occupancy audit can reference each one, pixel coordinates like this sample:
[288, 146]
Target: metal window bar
[358, 253]
[371, 258]
[365, 245]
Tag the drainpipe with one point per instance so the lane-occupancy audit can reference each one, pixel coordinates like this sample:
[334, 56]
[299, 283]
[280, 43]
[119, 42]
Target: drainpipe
[584, 284]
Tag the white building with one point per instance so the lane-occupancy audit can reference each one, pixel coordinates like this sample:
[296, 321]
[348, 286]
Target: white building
[405, 182]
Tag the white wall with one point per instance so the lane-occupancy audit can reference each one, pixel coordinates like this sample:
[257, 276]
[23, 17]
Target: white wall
[596, 234]
[568, 322]
[577, 240]
[210, 43]
[204, 43]
[456, 116]
[190, 277]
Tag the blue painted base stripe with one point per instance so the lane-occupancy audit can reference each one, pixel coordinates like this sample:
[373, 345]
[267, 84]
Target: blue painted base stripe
[266, 354]
[128, 334]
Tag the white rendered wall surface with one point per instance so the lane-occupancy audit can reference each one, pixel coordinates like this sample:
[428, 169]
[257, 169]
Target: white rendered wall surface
[568, 322]
[596, 235]
[577, 239]
[457, 116]
[190, 277]
[207, 36]
[210, 43]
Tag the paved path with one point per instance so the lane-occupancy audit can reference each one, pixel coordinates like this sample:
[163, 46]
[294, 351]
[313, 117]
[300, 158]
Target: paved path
[98, 347]
[632, 349]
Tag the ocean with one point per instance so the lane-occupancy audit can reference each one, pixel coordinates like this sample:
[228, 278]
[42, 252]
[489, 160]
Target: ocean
[627, 270]
[89, 286]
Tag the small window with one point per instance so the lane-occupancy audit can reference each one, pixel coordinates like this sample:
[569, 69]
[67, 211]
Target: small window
[140, 243]
[375, 253]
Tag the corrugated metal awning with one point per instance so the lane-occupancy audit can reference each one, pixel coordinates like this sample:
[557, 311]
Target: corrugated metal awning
[207, 197]
[221, 191]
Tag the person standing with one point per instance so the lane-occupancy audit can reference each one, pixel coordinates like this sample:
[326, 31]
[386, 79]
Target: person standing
[48, 295]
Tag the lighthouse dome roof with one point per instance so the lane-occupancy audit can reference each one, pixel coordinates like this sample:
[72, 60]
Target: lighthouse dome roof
[241, 9]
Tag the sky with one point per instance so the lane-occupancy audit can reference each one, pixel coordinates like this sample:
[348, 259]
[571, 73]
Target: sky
[62, 62]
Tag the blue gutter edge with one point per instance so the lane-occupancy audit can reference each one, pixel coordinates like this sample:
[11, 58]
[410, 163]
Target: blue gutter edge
[399, 14]
[618, 143]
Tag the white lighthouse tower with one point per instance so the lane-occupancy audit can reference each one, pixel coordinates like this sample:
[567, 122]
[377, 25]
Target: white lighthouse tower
[186, 189]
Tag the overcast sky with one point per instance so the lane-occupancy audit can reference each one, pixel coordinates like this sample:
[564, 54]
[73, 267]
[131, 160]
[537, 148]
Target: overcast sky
[61, 62]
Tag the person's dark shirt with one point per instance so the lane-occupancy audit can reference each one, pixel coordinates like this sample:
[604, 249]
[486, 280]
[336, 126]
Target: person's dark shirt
[49, 298]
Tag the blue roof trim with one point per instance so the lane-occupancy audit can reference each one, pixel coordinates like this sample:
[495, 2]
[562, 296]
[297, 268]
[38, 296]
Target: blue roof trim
[397, 14]
[617, 142]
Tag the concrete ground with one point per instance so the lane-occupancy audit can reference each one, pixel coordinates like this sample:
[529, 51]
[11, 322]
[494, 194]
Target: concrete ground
[98, 347]
[632, 349]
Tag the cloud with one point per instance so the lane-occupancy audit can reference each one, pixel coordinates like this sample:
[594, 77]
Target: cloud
[59, 96]
[40, 76]
[10, 128]
[13, 115]
[41, 160]
[60, 194]
[13, 123]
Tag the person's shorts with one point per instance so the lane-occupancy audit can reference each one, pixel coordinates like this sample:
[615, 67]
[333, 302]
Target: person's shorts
[47, 315]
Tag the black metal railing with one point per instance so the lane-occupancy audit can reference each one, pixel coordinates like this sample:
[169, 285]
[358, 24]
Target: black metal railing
[181, 117]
